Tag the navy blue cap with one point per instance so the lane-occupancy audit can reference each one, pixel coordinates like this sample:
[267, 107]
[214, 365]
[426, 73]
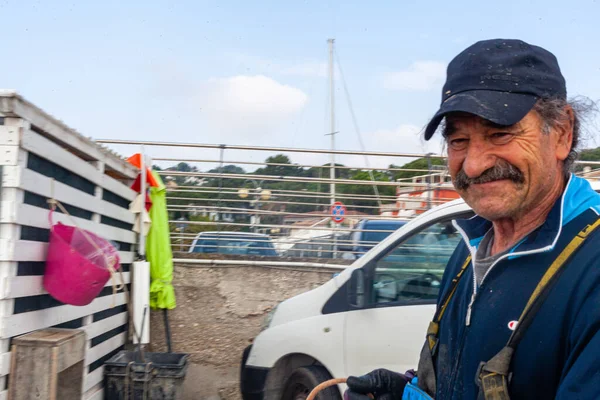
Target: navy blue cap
[499, 80]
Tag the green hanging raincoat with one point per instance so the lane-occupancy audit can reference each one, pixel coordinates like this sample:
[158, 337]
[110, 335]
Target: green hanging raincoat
[158, 250]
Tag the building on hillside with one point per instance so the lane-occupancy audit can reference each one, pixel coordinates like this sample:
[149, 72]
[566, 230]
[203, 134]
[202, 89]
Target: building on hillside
[419, 194]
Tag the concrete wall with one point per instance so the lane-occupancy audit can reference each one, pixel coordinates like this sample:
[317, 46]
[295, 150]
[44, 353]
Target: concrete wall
[219, 311]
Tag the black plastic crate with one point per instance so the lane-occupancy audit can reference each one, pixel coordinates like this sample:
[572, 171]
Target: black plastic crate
[160, 377]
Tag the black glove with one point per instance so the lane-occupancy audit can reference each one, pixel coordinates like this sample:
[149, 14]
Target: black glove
[383, 384]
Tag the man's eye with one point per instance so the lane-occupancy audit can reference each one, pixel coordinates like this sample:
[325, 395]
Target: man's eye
[458, 143]
[501, 137]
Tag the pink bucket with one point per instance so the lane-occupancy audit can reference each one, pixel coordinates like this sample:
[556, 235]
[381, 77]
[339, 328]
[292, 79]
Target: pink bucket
[70, 276]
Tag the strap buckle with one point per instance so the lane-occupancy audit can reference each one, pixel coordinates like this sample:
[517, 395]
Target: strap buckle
[432, 336]
[493, 385]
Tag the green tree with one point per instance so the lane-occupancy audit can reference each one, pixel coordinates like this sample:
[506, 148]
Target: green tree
[418, 164]
[225, 181]
[369, 205]
[280, 170]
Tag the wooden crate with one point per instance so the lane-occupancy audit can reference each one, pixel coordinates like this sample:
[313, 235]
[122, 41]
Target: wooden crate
[48, 364]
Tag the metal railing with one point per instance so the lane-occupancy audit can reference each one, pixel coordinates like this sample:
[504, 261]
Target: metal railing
[289, 204]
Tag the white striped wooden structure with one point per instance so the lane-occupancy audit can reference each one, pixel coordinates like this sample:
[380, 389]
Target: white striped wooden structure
[41, 157]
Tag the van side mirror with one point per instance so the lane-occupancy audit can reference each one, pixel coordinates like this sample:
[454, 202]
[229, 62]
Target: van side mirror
[357, 289]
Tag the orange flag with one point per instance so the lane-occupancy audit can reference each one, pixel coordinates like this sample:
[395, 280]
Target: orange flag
[136, 161]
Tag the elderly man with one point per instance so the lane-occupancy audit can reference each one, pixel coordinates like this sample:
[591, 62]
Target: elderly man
[519, 309]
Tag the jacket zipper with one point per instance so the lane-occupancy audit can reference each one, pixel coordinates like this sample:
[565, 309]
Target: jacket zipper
[468, 320]
[474, 295]
[473, 252]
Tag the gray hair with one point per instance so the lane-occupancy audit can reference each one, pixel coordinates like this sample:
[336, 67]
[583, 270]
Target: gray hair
[553, 112]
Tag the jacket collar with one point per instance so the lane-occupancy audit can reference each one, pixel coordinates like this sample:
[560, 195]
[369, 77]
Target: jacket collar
[577, 197]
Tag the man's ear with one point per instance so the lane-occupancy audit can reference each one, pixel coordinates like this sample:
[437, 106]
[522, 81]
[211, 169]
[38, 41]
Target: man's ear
[564, 134]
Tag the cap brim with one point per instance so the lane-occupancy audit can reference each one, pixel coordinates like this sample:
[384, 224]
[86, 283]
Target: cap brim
[502, 108]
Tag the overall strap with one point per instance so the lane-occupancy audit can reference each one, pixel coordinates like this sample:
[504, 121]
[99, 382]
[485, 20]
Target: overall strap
[426, 368]
[434, 325]
[493, 376]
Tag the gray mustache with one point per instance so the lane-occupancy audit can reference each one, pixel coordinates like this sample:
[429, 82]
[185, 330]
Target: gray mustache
[502, 170]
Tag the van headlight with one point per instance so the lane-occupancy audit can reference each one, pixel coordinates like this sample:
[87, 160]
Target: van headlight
[269, 318]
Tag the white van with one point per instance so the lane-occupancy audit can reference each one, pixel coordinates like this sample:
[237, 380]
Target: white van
[372, 315]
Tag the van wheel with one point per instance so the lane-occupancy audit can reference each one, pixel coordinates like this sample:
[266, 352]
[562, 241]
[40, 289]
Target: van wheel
[304, 379]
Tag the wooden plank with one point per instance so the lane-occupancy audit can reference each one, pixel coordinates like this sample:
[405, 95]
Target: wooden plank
[126, 257]
[26, 250]
[105, 347]
[22, 250]
[105, 325]
[117, 187]
[18, 324]
[45, 148]
[5, 363]
[16, 105]
[11, 175]
[95, 393]
[12, 197]
[93, 378]
[24, 286]
[53, 152]
[9, 155]
[8, 212]
[37, 183]
[38, 217]
[9, 135]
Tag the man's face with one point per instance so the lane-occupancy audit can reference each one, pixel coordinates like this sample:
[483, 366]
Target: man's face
[503, 172]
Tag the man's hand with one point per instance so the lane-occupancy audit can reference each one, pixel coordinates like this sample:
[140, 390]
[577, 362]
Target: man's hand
[383, 384]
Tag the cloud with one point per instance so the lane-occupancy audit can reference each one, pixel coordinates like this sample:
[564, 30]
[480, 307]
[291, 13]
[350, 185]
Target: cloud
[419, 76]
[248, 106]
[306, 70]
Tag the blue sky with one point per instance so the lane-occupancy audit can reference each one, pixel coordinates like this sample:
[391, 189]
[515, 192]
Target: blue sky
[240, 72]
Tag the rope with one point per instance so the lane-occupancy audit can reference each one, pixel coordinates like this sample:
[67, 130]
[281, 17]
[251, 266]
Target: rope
[325, 385]
[357, 130]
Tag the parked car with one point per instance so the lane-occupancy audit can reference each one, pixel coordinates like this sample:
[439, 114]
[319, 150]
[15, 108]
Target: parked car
[365, 235]
[236, 243]
[368, 233]
[374, 314]
[319, 246]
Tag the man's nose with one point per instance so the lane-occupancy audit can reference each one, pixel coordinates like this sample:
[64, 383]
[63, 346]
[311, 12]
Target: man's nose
[478, 159]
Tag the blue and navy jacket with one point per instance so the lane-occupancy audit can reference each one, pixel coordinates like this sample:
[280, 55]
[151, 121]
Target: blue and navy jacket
[559, 355]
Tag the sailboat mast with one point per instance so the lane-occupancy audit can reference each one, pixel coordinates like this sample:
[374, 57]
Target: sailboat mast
[332, 130]
[332, 133]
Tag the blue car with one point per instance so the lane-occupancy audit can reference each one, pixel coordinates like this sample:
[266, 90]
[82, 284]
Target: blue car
[368, 233]
[233, 243]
